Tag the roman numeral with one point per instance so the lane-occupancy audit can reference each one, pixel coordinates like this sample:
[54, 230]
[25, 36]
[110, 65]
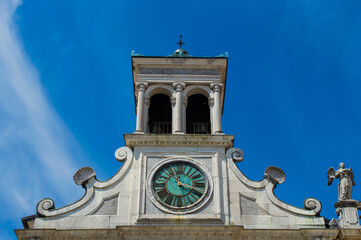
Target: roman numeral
[161, 176]
[196, 176]
[161, 180]
[198, 180]
[169, 199]
[178, 201]
[193, 172]
[196, 192]
[159, 184]
[199, 184]
[190, 200]
[180, 168]
[168, 172]
[163, 193]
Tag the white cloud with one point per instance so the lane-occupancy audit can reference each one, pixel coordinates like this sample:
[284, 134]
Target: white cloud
[35, 144]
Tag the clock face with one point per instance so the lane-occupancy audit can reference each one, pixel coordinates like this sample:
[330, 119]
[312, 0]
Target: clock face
[179, 184]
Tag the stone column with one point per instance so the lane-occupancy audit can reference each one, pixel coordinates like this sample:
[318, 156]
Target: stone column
[184, 114]
[140, 107]
[178, 107]
[173, 104]
[217, 111]
[146, 109]
[211, 112]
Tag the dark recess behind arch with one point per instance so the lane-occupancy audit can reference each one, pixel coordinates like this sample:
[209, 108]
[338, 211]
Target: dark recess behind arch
[198, 116]
[160, 114]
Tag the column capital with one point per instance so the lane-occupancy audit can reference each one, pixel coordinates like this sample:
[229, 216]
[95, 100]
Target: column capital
[141, 86]
[179, 86]
[216, 87]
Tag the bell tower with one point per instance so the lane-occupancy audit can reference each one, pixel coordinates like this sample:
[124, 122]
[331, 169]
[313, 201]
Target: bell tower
[179, 94]
[178, 140]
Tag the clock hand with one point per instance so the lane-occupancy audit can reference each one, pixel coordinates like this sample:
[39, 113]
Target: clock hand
[176, 178]
[179, 183]
[186, 185]
[175, 174]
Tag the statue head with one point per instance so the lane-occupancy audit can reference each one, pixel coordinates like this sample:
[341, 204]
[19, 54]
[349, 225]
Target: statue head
[341, 166]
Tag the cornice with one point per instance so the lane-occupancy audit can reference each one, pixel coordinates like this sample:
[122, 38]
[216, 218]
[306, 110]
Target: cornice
[188, 232]
[178, 140]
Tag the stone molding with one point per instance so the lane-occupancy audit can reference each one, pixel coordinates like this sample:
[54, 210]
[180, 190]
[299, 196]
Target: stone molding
[188, 140]
[159, 88]
[347, 203]
[203, 201]
[159, 69]
[196, 89]
[178, 71]
[188, 79]
[188, 232]
[230, 159]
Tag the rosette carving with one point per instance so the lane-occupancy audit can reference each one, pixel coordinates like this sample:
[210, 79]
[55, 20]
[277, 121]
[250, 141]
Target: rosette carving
[83, 175]
[275, 175]
[313, 204]
[45, 205]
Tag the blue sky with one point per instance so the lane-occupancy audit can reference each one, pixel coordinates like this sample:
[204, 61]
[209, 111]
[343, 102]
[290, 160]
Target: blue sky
[292, 99]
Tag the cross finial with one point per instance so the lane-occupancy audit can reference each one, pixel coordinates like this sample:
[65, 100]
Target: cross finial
[180, 43]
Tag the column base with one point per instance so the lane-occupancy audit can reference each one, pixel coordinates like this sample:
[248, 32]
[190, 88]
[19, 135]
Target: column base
[138, 132]
[218, 133]
[178, 132]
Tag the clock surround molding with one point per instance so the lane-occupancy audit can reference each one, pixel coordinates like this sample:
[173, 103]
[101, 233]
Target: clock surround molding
[184, 210]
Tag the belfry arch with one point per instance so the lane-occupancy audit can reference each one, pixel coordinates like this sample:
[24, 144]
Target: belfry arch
[198, 119]
[160, 114]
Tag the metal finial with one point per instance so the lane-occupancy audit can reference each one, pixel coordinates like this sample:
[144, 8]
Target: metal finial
[180, 43]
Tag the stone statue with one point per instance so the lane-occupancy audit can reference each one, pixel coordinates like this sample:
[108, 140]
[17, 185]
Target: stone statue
[346, 181]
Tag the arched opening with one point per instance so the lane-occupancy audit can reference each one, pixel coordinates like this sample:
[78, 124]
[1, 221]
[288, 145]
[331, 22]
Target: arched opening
[160, 114]
[198, 117]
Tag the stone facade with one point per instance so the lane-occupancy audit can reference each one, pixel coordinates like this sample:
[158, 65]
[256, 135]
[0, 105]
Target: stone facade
[229, 206]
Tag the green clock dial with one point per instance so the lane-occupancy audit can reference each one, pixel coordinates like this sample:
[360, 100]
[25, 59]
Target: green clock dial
[179, 184]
